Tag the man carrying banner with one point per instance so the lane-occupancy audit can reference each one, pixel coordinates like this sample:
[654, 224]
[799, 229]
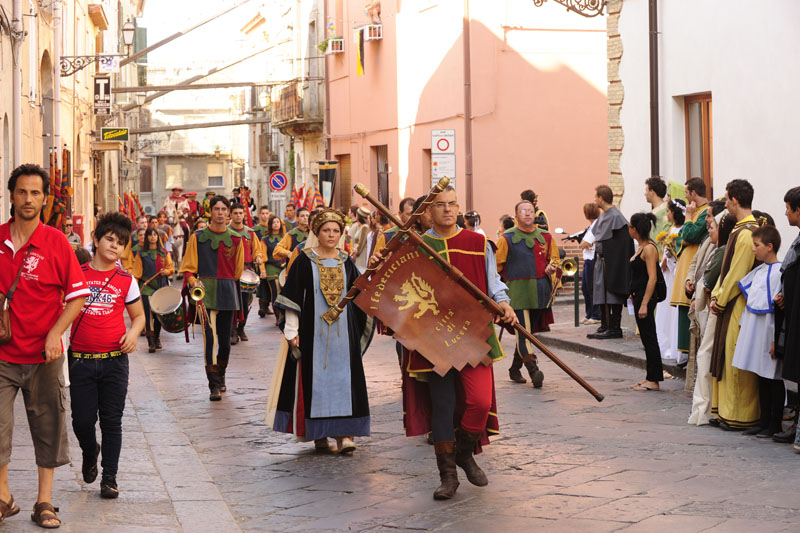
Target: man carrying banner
[468, 393]
[527, 256]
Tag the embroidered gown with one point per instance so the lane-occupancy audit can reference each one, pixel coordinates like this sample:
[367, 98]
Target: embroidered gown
[324, 392]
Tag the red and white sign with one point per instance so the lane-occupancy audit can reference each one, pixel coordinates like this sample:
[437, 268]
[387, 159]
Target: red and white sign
[443, 141]
[277, 181]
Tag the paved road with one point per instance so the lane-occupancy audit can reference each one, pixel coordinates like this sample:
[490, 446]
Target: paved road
[562, 462]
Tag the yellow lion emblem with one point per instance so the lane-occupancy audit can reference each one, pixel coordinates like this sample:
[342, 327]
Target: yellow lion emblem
[417, 291]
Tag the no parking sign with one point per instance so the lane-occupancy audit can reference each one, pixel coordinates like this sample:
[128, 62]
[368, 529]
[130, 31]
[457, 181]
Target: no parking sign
[277, 181]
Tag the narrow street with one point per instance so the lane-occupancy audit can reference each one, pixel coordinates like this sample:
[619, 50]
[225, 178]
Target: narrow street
[562, 462]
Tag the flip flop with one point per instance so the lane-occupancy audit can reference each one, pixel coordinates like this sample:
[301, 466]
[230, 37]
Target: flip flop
[643, 388]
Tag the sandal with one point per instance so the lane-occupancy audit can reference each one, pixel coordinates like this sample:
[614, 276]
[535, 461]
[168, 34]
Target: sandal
[8, 509]
[641, 387]
[43, 512]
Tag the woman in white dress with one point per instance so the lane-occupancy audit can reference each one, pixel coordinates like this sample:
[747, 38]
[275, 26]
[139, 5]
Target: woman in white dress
[666, 315]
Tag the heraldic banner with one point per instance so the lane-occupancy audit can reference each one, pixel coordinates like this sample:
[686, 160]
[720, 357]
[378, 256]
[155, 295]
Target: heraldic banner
[428, 311]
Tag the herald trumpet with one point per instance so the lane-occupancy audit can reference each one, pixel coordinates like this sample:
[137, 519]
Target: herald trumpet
[569, 267]
[197, 293]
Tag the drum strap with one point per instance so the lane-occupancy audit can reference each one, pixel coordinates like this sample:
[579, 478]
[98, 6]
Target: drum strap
[87, 306]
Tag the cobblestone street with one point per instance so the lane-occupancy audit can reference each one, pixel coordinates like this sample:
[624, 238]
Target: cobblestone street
[563, 462]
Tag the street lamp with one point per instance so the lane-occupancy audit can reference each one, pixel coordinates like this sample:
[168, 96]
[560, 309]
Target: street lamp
[128, 33]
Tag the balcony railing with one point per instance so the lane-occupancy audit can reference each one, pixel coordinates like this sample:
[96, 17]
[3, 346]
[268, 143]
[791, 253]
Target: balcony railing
[294, 112]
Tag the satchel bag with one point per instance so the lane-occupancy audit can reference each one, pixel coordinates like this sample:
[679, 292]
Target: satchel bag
[5, 303]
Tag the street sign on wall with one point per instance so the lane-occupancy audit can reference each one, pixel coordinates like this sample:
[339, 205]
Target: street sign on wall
[114, 134]
[277, 181]
[102, 95]
[443, 156]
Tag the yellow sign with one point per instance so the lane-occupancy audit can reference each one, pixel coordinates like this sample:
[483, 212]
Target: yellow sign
[114, 134]
[416, 291]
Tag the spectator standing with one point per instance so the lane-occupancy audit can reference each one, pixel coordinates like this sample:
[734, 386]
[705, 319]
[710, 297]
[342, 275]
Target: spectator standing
[73, 239]
[735, 395]
[655, 189]
[787, 316]
[645, 283]
[755, 347]
[666, 315]
[39, 263]
[591, 212]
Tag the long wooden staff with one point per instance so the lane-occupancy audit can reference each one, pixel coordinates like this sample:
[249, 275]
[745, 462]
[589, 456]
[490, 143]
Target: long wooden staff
[459, 277]
[331, 315]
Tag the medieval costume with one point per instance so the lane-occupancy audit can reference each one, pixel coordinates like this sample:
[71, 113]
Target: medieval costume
[177, 207]
[217, 260]
[462, 399]
[288, 243]
[662, 224]
[146, 264]
[269, 289]
[787, 326]
[755, 342]
[697, 318]
[322, 389]
[613, 250]
[693, 231]
[522, 258]
[735, 395]
[666, 315]
[252, 256]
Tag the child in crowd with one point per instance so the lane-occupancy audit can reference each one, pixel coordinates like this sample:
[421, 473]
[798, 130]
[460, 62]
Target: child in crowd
[98, 353]
[755, 350]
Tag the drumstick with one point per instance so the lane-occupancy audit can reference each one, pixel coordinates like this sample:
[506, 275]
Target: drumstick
[151, 278]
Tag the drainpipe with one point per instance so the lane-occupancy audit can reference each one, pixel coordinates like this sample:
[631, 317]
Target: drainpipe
[467, 108]
[655, 165]
[327, 88]
[57, 80]
[16, 104]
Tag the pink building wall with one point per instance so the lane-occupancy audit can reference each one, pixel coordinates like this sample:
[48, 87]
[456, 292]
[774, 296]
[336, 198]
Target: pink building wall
[538, 101]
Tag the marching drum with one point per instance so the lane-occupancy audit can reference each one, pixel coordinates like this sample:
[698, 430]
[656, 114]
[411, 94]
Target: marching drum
[249, 281]
[166, 304]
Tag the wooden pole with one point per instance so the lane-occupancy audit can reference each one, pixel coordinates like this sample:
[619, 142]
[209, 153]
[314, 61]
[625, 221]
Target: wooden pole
[459, 277]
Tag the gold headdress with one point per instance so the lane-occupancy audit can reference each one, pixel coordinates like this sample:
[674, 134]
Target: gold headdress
[327, 215]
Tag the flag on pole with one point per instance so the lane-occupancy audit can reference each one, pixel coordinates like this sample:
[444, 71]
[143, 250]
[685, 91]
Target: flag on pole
[297, 197]
[360, 53]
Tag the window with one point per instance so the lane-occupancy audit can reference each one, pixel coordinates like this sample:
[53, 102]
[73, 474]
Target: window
[215, 174]
[382, 169]
[174, 176]
[699, 140]
[146, 175]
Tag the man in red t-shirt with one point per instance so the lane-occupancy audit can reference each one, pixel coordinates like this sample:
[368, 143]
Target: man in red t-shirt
[40, 262]
[98, 352]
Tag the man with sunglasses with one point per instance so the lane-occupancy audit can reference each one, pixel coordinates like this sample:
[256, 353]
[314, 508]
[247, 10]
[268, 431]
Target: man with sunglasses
[73, 239]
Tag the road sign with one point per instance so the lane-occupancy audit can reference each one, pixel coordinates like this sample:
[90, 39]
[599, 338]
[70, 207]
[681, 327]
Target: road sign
[443, 141]
[102, 95]
[114, 134]
[277, 181]
[443, 166]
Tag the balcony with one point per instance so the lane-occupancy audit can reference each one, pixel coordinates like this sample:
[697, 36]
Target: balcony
[297, 111]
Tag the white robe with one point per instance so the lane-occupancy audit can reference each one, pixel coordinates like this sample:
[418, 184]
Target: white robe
[757, 325]
[667, 316]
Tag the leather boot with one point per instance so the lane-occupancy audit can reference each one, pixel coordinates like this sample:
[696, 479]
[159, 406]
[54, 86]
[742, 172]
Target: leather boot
[446, 461]
[234, 336]
[262, 308]
[241, 333]
[537, 376]
[212, 373]
[465, 447]
[151, 344]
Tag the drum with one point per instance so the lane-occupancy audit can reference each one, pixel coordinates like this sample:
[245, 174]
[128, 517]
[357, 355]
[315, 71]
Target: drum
[249, 281]
[166, 305]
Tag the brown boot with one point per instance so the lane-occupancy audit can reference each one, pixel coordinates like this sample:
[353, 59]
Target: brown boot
[241, 333]
[465, 447]
[446, 461]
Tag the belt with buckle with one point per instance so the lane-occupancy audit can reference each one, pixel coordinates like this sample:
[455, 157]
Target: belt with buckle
[95, 355]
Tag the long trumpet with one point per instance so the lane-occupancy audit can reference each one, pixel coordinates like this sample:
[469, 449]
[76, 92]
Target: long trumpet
[197, 293]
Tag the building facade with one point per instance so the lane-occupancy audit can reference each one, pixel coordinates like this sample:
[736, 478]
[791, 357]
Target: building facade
[524, 96]
[725, 98]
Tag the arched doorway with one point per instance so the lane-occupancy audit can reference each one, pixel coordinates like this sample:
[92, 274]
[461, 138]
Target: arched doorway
[46, 77]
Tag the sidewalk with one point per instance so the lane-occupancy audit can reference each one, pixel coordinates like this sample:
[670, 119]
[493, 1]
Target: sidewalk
[563, 335]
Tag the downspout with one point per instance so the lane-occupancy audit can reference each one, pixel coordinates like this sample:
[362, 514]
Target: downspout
[327, 90]
[57, 81]
[655, 165]
[467, 108]
[16, 81]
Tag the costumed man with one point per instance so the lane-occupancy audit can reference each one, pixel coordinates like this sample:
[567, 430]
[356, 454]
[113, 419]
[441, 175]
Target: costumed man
[464, 399]
[206, 205]
[323, 391]
[294, 238]
[253, 260]
[528, 259]
[541, 217]
[787, 312]
[655, 189]
[195, 209]
[612, 271]
[215, 261]
[269, 289]
[734, 397]
[692, 233]
[262, 228]
[176, 208]
[290, 217]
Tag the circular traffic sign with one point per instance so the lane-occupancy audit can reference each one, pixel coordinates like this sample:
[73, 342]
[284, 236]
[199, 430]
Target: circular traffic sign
[277, 181]
[442, 145]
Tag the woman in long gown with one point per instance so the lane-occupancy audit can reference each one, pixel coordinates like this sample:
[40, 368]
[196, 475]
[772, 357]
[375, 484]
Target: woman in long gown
[667, 316]
[323, 391]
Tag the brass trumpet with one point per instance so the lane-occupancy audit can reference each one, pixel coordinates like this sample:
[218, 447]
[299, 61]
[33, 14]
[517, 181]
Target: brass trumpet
[569, 267]
[197, 293]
